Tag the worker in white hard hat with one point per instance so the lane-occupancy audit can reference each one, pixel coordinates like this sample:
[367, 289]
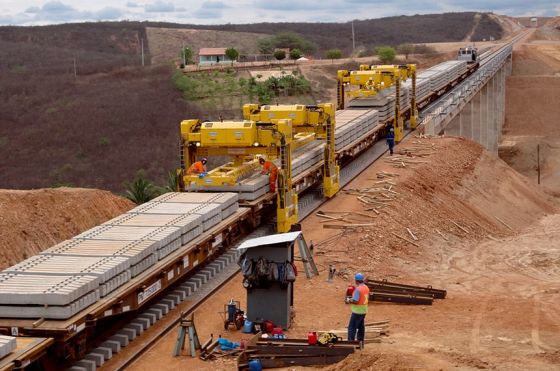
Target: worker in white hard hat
[270, 169]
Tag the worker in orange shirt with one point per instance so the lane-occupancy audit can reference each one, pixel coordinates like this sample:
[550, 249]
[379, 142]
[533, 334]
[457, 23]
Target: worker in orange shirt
[271, 170]
[198, 167]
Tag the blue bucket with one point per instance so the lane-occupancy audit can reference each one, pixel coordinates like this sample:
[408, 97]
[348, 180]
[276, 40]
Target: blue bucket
[248, 327]
[255, 365]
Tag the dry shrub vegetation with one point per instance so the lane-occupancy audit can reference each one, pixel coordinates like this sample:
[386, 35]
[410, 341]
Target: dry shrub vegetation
[95, 130]
[116, 117]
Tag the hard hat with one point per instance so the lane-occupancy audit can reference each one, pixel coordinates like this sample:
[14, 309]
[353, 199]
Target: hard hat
[359, 277]
[204, 159]
[391, 129]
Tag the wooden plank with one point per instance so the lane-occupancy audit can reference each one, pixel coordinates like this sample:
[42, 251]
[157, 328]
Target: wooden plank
[347, 226]
[405, 239]
[442, 235]
[458, 226]
[412, 234]
[504, 223]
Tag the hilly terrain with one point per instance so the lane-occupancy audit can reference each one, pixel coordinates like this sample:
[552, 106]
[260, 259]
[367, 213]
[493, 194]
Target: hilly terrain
[79, 109]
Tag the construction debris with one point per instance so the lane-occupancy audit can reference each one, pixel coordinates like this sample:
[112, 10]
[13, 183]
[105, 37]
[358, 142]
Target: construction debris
[374, 330]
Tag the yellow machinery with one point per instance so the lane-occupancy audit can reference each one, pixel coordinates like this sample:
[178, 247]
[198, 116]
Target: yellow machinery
[308, 123]
[370, 80]
[242, 140]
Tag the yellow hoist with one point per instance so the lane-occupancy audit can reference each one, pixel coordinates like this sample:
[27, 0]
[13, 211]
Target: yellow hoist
[308, 123]
[272, 131]
[370, 80]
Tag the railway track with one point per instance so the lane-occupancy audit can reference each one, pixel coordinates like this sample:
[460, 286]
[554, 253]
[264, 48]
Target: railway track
[204, 283]
[308, 202]
[121, 335]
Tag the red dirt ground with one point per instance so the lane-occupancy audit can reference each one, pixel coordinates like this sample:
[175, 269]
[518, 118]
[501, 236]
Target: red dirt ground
[31, 221]
[502, 283]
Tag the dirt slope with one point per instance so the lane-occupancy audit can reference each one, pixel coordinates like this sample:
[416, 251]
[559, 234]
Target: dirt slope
[532, 108]
[492, 317]
[31, 221]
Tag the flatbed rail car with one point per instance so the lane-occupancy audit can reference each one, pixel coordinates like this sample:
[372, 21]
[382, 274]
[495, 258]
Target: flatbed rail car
[69, 338]
[70, 335]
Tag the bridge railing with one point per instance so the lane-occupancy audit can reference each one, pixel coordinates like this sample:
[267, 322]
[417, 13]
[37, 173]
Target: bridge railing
[435, 117]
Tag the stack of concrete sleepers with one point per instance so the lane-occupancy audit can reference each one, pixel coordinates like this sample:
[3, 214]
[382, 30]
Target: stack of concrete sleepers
[438, 78]
[53, 296]
[7, 345]
[353, 124]
[166, 239]
[228, 201]
[141, 254]
[211, 213]
[248, 189]
[111, 272]
[307, 156]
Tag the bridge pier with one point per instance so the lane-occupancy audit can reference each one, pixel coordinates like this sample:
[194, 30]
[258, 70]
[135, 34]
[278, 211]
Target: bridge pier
[482, 117]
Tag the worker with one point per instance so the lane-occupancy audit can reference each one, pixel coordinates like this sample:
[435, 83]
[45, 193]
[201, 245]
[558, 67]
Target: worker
[271, 170]
[198, 167]
[359, 301]
[391, 140]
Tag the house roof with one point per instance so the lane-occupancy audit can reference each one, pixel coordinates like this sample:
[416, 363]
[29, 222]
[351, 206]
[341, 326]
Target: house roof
[212, 51]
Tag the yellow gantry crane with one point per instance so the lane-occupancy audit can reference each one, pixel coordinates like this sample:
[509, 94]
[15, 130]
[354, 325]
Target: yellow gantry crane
[242, 140]
[309, 122]
[370, 80]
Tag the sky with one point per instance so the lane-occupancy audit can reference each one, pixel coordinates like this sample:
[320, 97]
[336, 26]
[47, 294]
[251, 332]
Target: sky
[42, 12]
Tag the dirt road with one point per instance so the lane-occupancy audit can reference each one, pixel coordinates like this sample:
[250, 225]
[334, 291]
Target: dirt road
[532, 108]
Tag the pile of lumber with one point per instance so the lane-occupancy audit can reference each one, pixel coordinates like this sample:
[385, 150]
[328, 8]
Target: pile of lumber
[349, 219]
[404, 161]
[374, 331]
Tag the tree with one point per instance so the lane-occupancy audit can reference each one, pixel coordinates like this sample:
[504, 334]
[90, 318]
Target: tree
[295, 54]
[334, 54]
[266, 46]
[405, 49]
[386, 54]
[187, 55]
[280, 54]
[141, 190]
[232, 54]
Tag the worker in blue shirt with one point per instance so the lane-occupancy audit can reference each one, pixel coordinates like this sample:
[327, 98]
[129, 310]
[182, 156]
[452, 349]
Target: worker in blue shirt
[391, 140]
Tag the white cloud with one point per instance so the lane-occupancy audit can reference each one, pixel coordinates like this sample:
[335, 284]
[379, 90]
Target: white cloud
[31, 12]
[160, 7]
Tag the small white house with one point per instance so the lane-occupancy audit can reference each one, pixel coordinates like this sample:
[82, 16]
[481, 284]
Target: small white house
[212, 56]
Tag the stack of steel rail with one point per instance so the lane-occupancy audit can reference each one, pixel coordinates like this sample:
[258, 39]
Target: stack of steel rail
[383, 290]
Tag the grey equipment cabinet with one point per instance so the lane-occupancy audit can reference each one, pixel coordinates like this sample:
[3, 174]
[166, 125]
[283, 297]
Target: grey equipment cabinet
[275, 300]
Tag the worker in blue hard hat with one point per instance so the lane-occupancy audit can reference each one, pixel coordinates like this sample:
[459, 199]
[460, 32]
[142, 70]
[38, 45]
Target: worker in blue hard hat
[391, 139]
[359, 301]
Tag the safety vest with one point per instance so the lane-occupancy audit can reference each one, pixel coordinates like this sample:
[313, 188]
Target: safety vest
[269, 167]
[361, 307]
[196, 168]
